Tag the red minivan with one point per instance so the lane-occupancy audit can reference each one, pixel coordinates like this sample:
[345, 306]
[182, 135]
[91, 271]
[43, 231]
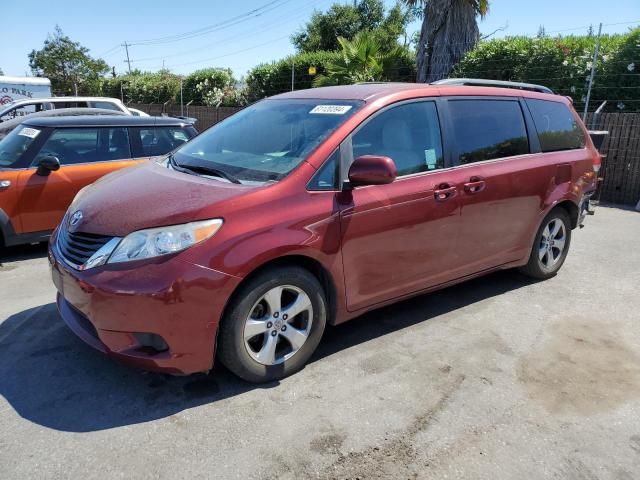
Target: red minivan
[312, 207]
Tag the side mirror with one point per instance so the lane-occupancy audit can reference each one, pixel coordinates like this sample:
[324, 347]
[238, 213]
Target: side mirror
[372, 170]
[47, 165]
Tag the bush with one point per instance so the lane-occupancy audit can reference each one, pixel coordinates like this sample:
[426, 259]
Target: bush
[272, 78]
[147, 87]
[199, 86]
[562, 64]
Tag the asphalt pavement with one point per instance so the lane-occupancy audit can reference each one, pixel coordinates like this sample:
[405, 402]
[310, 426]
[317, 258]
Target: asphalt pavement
[497, 378]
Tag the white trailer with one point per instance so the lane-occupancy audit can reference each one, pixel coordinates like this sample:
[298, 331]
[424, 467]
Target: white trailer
[20, 88]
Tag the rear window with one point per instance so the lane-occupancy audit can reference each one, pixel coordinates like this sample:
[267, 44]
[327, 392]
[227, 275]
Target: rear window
[557, 127]
[488, 129]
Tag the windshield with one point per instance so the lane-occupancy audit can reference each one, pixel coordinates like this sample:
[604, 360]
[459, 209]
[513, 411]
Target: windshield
[266, 141]
[15, 144]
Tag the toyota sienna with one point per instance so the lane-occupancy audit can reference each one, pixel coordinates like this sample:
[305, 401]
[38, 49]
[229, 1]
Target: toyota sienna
[312, 207]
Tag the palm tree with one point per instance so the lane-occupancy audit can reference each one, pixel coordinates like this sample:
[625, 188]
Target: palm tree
[449, 30]
[361, 60]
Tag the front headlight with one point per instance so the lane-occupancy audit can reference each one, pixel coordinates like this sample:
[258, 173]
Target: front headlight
[155, 242]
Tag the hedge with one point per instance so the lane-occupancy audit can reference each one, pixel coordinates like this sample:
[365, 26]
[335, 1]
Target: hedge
[158, 87]
[564, 65]
[272, 78]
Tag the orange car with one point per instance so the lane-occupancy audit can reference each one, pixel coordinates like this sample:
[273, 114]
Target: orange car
[44, 162]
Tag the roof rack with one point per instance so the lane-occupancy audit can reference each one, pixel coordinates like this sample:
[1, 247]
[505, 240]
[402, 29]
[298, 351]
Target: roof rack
[481, 82]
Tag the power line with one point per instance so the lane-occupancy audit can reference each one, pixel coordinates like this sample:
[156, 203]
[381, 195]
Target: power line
[258, 29]
[211, 28]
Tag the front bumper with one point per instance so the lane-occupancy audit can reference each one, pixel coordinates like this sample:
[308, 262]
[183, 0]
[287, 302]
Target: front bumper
[113, 308]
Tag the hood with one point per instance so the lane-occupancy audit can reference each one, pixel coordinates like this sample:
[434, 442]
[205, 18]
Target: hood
[149, 195]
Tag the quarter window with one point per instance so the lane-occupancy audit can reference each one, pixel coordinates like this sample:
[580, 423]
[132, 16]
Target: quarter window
[409, 134]
[160, 140]
[327, 176]
[557, 127]
[488, 129]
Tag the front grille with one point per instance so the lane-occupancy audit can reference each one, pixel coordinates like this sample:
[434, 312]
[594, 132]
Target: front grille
[77, 248]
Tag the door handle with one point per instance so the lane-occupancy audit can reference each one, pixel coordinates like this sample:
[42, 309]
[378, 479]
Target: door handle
[474, 185]
[4, 184]
[444, 192]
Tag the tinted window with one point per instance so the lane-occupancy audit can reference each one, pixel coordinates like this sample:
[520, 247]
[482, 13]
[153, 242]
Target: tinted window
[409, 134]
[106, 105]
[557, 127]
[487, 129]
[83, 145]
[58, 105]
[327, 176]
[161, 140]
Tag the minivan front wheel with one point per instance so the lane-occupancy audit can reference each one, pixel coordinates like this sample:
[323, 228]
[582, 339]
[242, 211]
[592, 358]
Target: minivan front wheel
[273, 324]
[550, 247]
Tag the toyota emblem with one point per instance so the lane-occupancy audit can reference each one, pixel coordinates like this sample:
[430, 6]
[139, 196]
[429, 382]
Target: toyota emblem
[76, 218]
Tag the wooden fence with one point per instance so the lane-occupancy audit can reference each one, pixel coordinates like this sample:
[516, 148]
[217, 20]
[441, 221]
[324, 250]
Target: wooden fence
[621, 148]
[621, 157]
[207, 116]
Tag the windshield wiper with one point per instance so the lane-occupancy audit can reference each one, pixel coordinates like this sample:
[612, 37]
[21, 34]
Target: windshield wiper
[203, 169]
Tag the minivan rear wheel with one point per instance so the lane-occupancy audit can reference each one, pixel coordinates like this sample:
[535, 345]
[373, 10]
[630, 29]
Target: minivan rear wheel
[273, 324]
[550, 246]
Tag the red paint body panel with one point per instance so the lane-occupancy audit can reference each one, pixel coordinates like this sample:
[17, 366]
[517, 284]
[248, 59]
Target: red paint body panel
[172, 299]
[377, 243]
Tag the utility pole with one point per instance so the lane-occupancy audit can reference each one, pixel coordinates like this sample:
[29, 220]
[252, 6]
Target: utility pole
[126, 47]
[293, 74]
[181, 104]
[593, 73]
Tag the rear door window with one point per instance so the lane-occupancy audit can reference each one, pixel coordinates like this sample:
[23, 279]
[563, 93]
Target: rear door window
[557, 127]
[487, 129]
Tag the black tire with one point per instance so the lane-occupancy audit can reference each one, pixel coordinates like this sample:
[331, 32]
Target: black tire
[233, 352]
[536, 267]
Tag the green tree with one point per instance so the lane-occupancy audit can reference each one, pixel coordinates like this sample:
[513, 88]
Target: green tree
[449, 30]
[361, 60]
[346, 21]
[68, 65]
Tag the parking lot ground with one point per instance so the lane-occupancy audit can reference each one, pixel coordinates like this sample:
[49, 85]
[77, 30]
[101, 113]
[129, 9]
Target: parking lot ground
[497, 378]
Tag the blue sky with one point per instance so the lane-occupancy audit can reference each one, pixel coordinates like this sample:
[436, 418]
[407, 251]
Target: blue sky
[257, 39]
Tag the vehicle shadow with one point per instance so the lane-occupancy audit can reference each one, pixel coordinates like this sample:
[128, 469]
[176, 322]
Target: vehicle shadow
[51, 378]
[22, 252]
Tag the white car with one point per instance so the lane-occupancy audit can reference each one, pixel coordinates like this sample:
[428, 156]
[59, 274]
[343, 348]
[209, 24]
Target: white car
[24, 107]
[138, 113]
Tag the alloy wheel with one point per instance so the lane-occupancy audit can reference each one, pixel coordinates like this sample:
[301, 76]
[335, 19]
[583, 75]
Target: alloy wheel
[552, 243]
[278, 325]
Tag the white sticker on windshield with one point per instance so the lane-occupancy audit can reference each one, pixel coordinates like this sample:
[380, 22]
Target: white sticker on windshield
[29, 132]
[331, 109]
